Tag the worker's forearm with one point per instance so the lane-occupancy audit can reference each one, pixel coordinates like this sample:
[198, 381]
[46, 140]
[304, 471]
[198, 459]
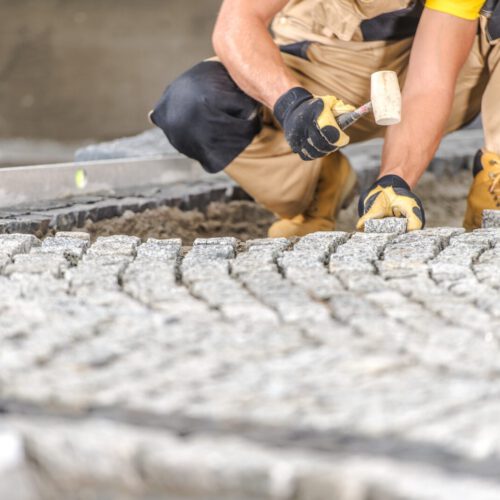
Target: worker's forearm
[410, 146]
[440, 48]
[244, 45]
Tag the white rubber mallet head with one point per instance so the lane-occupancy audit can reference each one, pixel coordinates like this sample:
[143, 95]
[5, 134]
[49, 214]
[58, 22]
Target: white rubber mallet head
[385, 103]
[386, 98]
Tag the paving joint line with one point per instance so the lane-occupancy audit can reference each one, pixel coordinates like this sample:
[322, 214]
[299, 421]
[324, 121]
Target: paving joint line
[331, 442]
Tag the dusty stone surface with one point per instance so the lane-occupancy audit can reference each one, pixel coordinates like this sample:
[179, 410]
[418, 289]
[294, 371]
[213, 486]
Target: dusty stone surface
[491, 218]
[360, 364]
[387, 225]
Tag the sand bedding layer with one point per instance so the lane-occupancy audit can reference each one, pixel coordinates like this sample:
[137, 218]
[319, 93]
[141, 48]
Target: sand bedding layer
[444, 200]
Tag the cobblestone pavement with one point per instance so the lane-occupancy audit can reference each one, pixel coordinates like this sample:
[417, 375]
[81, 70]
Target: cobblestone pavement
[350, 366]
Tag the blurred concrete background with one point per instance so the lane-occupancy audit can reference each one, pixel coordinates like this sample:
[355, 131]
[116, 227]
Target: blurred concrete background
[72, 70]
[77, 72]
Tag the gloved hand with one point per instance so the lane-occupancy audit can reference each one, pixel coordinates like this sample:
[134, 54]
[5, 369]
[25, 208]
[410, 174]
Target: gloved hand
[309, 122]
[391, 196]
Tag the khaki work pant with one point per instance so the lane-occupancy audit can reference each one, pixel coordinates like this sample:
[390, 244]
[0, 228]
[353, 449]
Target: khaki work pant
[280, 181]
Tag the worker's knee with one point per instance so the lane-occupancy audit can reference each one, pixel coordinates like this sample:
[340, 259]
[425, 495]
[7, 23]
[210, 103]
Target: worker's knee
[207, 117]
[183, 104]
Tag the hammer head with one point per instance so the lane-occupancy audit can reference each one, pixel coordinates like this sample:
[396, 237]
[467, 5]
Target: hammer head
[386, 98]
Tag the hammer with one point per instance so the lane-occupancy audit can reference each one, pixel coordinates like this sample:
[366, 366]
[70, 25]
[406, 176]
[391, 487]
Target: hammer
[385, 103]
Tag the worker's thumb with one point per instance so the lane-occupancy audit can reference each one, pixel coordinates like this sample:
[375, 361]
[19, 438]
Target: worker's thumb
[412, 213]
[374, 213]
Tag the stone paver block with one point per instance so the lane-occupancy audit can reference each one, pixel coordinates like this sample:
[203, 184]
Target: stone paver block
[278, 244]
[38, 263]
[160, 250]
[16, 483]
[322, 241]
[226, 241]
[491, 219]
[72, 249]
[73, 234]
[395, 225]
[13, 244]
[114, 245]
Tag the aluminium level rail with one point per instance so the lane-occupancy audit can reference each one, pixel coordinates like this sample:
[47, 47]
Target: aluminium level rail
[21, 186]
[33, 184]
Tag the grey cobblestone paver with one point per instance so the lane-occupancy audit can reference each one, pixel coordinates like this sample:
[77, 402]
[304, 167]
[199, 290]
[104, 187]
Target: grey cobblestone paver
[13, 244]
[361, 364]
[387, 225]
[491, 218]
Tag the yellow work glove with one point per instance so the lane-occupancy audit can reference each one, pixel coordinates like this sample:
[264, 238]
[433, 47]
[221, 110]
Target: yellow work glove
[391, 196]
[309, 122]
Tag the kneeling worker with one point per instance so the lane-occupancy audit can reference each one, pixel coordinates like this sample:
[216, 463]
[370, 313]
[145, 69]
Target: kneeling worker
[264, 110]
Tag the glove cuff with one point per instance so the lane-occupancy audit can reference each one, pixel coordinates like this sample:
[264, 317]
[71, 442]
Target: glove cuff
[290, 100]
[393, 181]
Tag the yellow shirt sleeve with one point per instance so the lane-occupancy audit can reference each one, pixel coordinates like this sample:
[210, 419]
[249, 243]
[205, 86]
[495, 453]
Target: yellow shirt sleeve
[466, 9]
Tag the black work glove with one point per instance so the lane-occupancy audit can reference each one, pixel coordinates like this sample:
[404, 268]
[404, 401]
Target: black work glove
[309, 122]
[391, 196]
